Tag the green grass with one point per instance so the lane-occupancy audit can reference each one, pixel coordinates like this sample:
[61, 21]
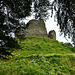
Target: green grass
[39, 56]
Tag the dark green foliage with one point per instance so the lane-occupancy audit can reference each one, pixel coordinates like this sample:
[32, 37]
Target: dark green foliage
[4, 52]
[68, 44]
[8, 48]
[73, 49]
[19, 9]
[41, 8]
[65, 14]
[12, 11]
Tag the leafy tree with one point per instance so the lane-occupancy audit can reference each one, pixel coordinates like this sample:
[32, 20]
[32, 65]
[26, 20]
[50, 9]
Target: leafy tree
[13, 10]
[41, 8]
[65, 14]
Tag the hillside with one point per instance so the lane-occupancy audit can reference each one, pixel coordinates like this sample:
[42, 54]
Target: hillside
[39, 56]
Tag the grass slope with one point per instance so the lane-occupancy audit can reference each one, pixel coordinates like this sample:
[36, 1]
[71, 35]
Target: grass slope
[39, 56]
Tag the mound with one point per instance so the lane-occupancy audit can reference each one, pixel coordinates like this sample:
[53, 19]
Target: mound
[39, 56]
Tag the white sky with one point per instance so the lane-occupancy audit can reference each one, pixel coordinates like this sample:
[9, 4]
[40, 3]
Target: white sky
[51, 25]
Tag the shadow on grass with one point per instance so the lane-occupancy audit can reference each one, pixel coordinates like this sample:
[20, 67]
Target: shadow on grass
[4, 52]
[73, 49]
[8, 48]
[21, 38]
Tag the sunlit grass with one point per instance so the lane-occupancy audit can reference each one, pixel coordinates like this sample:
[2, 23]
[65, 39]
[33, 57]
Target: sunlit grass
[39, 56]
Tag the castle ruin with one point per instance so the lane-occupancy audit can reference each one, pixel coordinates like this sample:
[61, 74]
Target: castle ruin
[34, 28]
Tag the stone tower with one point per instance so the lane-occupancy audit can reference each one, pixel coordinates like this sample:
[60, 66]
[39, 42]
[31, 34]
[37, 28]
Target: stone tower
[33, 28]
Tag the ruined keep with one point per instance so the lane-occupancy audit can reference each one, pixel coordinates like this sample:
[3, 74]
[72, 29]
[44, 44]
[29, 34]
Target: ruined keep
[34, 28]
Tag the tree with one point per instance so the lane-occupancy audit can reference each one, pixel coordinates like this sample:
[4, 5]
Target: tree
[65, 14]
[12, 11]
[41, 8]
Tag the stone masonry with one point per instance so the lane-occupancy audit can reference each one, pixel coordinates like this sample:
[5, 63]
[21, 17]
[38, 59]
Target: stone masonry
[35, 28]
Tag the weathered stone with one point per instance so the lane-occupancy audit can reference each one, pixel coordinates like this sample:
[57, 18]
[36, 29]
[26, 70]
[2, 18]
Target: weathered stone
[52, 34]
[33, 28]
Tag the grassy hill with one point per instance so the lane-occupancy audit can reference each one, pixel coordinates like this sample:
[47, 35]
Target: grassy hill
[39, 56]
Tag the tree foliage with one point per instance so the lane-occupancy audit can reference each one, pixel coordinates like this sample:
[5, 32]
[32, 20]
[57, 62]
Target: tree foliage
[13, 10]
[41, 8]
[65, 14]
